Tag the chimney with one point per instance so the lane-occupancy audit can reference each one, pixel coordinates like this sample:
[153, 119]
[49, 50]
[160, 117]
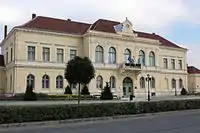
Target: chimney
[33, 15]
[68, 19]
[5, 31]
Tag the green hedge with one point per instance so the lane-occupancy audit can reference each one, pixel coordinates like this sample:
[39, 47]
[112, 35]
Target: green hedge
[42, 96]
[18, 114]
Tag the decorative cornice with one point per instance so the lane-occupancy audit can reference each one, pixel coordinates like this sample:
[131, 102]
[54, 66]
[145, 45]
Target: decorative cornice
[182, 72]
[46, 32]
[122, 37]
[173, 48]
[8, 36]
[194, 75]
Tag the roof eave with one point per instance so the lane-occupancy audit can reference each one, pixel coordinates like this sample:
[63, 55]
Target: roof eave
[8, 35]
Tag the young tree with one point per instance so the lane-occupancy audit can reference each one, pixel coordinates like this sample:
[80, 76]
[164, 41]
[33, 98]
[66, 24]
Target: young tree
[68, 90]
[79, 71]
[106, 94]
[85, 90]
[29, 94]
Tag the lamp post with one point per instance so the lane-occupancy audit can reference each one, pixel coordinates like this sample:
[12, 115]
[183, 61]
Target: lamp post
[175, 92]
[148, 79]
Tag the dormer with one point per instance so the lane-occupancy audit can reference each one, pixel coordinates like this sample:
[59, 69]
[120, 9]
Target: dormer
[125, 27]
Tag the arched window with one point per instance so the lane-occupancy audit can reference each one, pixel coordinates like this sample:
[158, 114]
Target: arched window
[99, 82]
[142, 82]
[45, 81]
[99, 54]
[112, 55]
[180, 83]
[142, 57]
[59, 82]
[151, 59]
[153, 82]
[173, 83]
[30, 80]
[127, 54]
[112, 82]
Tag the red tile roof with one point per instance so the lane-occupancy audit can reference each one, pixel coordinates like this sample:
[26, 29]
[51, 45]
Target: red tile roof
[104, 26]
[162, 40]
[72, 27]
[57, 25]
[193, 70]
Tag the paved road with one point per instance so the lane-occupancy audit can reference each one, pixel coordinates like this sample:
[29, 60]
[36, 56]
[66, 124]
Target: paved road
[25, 103]
[179, 122]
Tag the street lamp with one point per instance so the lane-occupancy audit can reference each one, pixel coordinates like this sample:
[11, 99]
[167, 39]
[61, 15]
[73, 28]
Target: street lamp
[148, 79]
[175, 91]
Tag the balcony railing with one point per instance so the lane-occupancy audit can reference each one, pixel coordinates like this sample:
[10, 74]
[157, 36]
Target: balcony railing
[130, 66]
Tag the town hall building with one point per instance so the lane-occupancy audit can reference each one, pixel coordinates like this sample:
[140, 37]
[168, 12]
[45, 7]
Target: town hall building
[37, 51]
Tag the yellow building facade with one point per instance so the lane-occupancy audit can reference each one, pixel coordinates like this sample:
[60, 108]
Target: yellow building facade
[37, 52]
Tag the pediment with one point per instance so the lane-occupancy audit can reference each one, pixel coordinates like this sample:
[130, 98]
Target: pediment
[125, 27]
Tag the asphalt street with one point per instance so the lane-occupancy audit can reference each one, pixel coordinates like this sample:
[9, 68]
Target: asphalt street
[173, 122]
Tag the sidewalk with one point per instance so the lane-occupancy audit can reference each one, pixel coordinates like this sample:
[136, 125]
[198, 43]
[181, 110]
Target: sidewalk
[40, 103]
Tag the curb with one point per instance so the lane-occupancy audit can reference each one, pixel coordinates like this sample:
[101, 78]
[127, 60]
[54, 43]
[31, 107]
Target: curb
[70, 121]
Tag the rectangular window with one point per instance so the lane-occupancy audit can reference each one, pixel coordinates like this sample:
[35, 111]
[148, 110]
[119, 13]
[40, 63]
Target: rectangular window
[72, 53]
[11, 54]
[165, 63]
[60, 55]
[6, 57]
[31, 53]
[46, 54]
[180, 64]
[173, 63]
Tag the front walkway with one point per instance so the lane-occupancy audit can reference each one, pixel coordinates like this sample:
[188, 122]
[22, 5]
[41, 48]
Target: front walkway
[36, 103]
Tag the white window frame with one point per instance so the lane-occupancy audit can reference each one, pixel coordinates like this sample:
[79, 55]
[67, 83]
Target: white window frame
[165, 63]
[71, 48]
[31, 53]
[180, 64]
[46, 54]
[173, 64]
[60, 55]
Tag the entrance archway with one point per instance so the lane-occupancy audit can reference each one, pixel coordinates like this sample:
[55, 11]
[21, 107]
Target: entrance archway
[127, 86]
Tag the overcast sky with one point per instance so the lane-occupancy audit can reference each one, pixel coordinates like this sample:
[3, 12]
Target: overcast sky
[177, 20]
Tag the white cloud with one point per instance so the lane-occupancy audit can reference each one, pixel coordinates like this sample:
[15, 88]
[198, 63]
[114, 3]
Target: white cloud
[193, 55]
[145, 14]
[10, 15]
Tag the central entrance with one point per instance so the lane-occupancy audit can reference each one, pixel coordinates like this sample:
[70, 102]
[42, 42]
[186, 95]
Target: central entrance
[127, 87]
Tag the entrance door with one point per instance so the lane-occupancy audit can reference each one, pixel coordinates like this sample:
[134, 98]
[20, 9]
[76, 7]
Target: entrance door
[127, 87]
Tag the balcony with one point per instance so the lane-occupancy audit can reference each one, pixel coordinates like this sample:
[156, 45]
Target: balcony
[130, 66]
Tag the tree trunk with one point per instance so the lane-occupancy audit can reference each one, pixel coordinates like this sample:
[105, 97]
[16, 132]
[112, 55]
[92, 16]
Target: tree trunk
[79, 88]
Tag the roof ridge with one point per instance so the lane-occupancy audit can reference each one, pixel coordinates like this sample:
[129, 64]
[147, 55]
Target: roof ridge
[64, 20]
[96, 23]
[28, 21]
[108, 20]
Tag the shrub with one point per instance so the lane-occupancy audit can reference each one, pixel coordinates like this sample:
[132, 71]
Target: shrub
[18, 114]
[71, 97]
[85, 90]
[68, 90]
[106, 94]
[183, 91]
[29, 94]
